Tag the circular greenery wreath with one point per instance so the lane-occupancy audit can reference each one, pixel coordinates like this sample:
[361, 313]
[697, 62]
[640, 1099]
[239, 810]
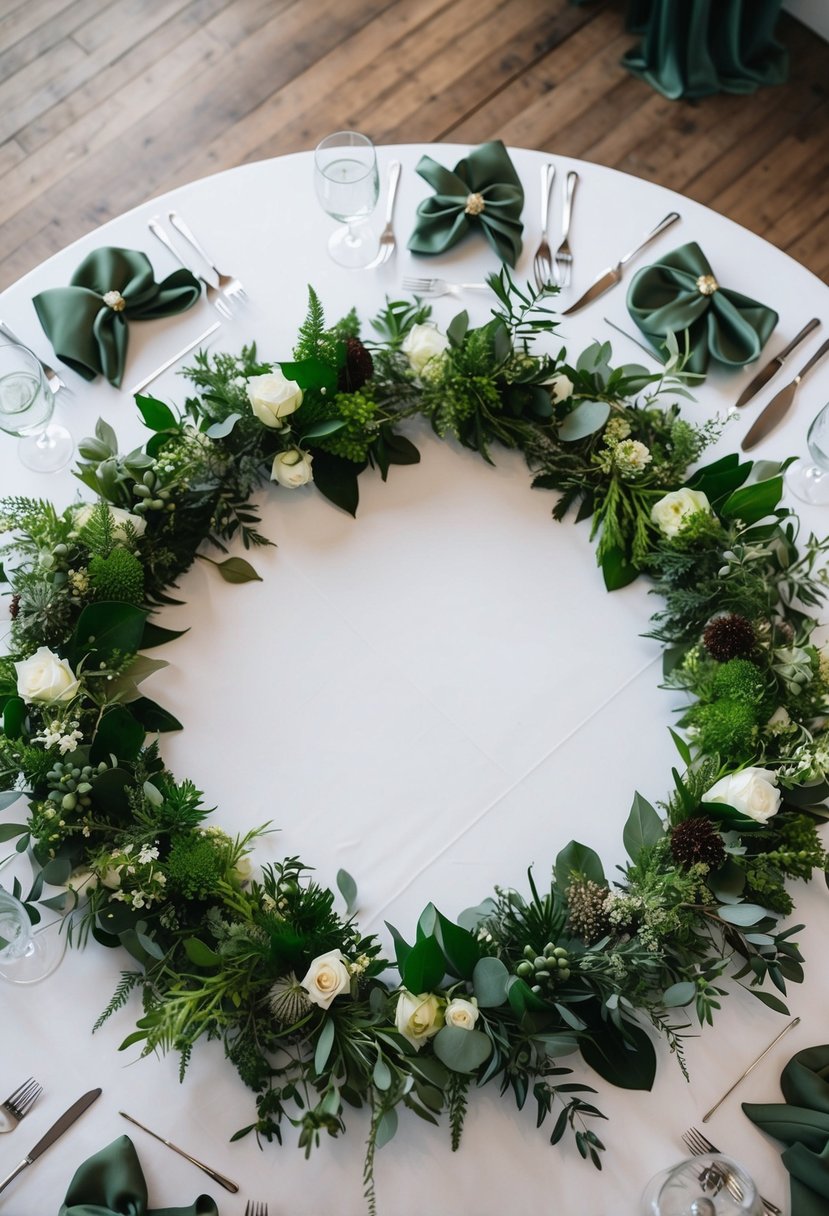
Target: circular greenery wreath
[294, 992]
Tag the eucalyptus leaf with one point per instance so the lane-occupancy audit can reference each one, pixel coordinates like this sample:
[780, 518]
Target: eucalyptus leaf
[679, 994]
[221, 430]
[587, 418]
[742, 915]
[462, 1050]
[490, 981]
[324, 1044]
[348, 889]
[386, 1127]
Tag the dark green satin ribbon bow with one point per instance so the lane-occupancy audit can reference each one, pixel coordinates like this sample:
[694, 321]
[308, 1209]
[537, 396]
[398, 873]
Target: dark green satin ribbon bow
[111, 1183]
[803, 1124]
[680, 292]
[482, 191]
[87, 321]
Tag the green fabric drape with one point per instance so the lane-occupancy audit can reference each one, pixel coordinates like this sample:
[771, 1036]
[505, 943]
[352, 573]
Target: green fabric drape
[111, 1183]
[482, 191]
[803, 1124]
[681, 293]
[89, 334]
[692, 48]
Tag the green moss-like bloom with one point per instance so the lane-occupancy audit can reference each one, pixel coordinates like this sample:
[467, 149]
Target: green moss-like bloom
[194, 866]
[739, 680]
[120, 576]
[727, 728]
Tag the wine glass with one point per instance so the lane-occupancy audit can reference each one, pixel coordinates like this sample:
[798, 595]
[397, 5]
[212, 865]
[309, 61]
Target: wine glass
[709, 1185]
[26, 405]
[810, 482]
[26, 956]
[347, 185]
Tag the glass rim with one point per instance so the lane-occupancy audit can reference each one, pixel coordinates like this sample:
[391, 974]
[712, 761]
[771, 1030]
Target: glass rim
[361, 141]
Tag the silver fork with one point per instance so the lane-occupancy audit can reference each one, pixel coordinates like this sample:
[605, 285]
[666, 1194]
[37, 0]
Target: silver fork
[255, 1207]
[563, 260]
[387, 241]
[542, 259]
[19, 1103]
[228, 284]
[214, 296]
[439, 287]
[54, 380]
[699, 1144]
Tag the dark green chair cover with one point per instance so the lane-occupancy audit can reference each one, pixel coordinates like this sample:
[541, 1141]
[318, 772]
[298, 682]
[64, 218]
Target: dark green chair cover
[111, 1183]
[692, 48]
[87, 321]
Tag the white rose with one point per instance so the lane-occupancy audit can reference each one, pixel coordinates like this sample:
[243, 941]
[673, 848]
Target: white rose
[671, 512]
[417, 1018]
[327, 978]
[292, 469]
[81, 881]
[460, 1012]
[422, 344]
[45, 677]
[111, 878]
[752, 791]
[561, 387]
[243, 869]
[273, 397]
[120, 517]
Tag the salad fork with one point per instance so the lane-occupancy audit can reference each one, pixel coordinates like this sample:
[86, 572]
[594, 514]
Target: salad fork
[214, 296]
[228, 284]
[387, 240]
[563, 260]
[439, 287]
[19, 1103]
[54, 380]
[699, 1145]
[255, 1208]
[542, 259]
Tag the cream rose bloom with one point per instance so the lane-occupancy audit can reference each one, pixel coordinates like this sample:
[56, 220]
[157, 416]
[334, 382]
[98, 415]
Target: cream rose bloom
[423, 344]
[45, 677]
[561, 387]
[292, 469]
[273, 397]
[417, 1018]
[752, 791]
[671, 512]
[460, 1012]
[120, 517]
[326, 978]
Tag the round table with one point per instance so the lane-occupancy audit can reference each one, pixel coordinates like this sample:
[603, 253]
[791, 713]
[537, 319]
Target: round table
[433, 697]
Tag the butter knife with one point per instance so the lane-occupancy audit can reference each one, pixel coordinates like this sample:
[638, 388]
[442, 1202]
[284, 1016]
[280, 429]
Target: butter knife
[609, 278]
[54, 1133]
[779, 406]
[773, 366]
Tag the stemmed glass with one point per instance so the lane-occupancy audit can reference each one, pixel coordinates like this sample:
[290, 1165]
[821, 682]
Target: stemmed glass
[810, 482]
[347, 185]
[26, 956]
[26, 405]
[709, 1185]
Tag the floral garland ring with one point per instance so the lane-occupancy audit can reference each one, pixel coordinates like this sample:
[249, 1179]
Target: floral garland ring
[295, 993]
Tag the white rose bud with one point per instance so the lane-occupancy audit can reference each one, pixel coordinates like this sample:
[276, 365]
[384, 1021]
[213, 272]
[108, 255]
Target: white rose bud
[561, 387]
[273, 397]
[752, 792]
[327, 978]
[417, 1018]
[422, 346]
[463, 1013]
[292, 469]
[45, 677]
[671, 512]
[120, 517]
[81, 882]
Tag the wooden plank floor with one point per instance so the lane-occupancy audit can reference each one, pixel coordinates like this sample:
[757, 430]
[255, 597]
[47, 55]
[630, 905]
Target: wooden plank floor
[105, 103]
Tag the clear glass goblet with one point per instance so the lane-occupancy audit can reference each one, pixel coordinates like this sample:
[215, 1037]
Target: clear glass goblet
[347, 186]
[810, 482]
[709, 1185]
[26, 405]
[26, 956]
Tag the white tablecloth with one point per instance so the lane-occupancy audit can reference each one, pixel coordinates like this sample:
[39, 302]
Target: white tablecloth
[434, 697]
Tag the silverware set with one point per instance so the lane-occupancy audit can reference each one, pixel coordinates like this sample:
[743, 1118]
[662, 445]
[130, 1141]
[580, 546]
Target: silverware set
[19, 1103]
[54, 1133]
[549, 267]
[776, 410]
[699, 1145]
[222, 289]
[440, 287]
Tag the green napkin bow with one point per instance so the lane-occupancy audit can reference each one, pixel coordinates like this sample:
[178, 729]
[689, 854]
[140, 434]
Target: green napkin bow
[87, 321]
[680, 292]
[111, 1183]
[803, 1124]
[482, 191]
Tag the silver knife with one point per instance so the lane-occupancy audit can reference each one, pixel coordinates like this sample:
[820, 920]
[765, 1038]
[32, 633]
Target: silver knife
[773, 366]
[779, 406]
[609, 278]
[54, 1133]
[227, 1183]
